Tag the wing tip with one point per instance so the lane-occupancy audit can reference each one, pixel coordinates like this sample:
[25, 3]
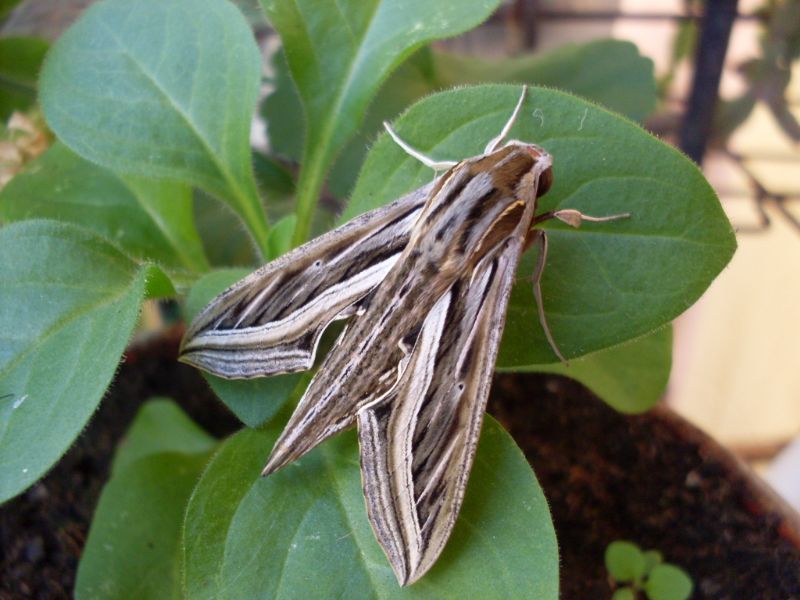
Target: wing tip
[280, 456]
[271, 466]
[409, 574]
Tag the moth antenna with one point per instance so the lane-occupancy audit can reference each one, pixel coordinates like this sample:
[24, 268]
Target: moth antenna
[540, 237]
[574, 218]
[495, 142]
[437, 166]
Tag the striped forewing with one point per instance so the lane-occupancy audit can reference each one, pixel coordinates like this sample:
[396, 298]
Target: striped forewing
[270, 322]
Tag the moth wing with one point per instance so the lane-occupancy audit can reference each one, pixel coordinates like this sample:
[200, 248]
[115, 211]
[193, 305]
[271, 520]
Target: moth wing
[418, 445]
[271, 321]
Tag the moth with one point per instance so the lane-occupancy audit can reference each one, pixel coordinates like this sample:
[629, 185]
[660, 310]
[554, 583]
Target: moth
[424, 283]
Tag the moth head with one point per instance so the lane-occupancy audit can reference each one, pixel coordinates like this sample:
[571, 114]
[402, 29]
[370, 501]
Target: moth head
[545, 161]
[542, 164]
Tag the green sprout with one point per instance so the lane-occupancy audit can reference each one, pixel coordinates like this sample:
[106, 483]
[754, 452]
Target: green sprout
[635, 573]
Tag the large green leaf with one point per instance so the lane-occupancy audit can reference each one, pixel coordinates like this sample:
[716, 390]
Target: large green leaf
[253, 401]
[68, 304]
[631, 377]
[303, 532]
[133, 546]
[161, 89]
[606, 282]
[20, 60]
[148, 219]
[340, 52]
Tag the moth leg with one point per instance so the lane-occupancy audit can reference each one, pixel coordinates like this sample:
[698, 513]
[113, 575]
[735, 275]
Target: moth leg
[437, 166]
[540, 237]
[495, 142]
[573, 218]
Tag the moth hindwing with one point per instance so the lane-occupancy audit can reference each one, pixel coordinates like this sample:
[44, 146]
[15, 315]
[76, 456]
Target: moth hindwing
[425, 283]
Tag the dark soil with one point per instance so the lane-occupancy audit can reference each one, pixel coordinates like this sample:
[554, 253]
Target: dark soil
[650, 479]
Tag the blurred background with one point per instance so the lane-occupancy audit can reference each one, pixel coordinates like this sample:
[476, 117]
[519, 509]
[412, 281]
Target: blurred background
[727, 92]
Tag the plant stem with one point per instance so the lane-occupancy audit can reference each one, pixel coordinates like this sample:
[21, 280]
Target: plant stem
[254, 217]
[309, 185]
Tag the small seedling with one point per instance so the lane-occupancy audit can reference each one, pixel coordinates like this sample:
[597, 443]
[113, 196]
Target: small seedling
[635, 574]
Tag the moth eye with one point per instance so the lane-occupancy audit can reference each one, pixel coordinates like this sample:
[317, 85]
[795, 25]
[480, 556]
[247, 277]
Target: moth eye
[317, 263]
[460, 386]
[545, 181]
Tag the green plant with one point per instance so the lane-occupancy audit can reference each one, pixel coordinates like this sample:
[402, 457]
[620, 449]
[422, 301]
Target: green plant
[151, 102]
[634, 572]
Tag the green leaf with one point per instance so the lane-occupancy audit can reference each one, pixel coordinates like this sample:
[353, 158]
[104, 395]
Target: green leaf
[651, 559]
[339, 54]
[253, 401]
[625, 561]
[20, 61]
[164, 90]
[304, 529]
[160, 426]
[133, 545]
[605, 283]
[68, 304]
[409, 83]
[625, 593]
[273, 177]
[280, 236]
[610, 72]
[283, 112]
[148, 219]
[221, 233]
[159, 285]
[668, 582]
[226, 480]
[631, 377]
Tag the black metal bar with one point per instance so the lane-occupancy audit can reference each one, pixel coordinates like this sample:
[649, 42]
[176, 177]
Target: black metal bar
[562, 15]
[712, 46]
[526, 14]
[543, 14]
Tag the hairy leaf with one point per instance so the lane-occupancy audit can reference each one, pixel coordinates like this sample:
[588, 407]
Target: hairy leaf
[133, 546]
[605, 283]
[161, 89]
[68, 304]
